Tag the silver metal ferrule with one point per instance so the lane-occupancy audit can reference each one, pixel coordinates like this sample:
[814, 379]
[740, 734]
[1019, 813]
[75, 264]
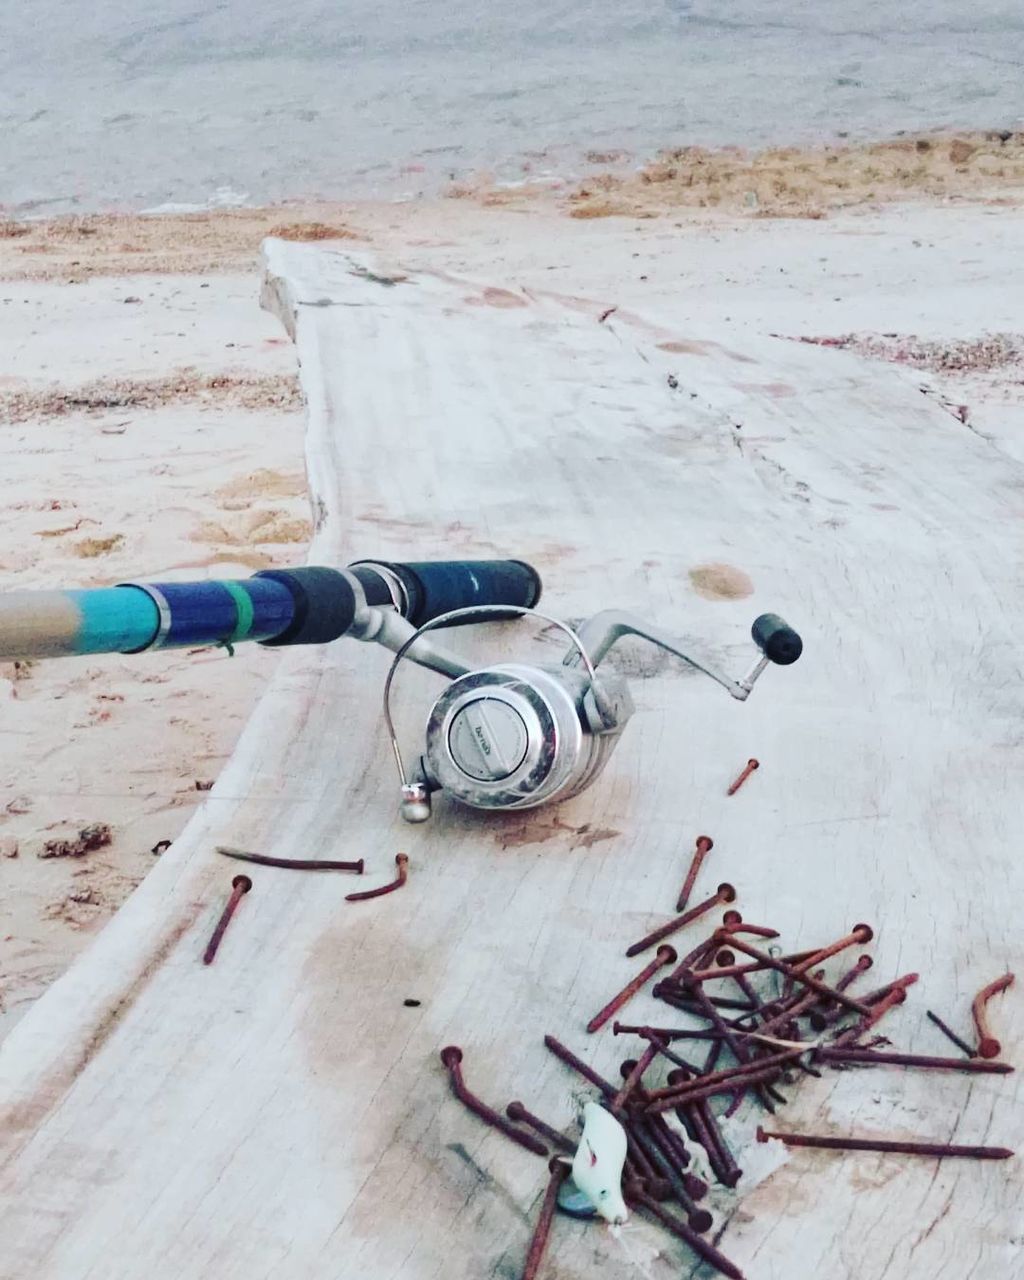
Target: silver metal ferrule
[163, 613]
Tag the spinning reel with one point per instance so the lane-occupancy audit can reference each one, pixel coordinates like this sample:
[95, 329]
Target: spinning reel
[503, 737]
[517, 735]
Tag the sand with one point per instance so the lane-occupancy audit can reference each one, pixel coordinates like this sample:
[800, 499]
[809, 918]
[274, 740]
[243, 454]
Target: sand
[155, 438]
[151, 426]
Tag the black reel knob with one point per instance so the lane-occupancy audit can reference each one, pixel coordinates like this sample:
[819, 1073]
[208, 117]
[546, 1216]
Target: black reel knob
[776, 639]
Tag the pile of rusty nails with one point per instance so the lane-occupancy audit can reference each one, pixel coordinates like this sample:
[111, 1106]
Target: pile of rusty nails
[241, 885]
[772, 1037]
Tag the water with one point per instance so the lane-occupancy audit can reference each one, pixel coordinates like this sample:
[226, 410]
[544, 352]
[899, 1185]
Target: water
[115, 103]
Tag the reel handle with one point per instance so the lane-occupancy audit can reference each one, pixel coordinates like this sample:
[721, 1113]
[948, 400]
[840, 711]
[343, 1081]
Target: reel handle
[428, 588]
[776, 639]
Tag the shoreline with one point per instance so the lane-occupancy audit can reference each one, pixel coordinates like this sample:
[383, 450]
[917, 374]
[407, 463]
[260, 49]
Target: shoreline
[808, 183]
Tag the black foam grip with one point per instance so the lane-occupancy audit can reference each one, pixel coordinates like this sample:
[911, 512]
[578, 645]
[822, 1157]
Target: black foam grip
[776, 639]
[435, 587]
[325, 605]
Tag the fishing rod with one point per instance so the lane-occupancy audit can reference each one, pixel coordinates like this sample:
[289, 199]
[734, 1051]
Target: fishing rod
[503, 737]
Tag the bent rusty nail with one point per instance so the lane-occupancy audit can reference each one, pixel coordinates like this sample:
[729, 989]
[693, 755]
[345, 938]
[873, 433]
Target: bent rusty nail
[518, 1114]
[703, 847]
[402, 863]
[665, 955]
[988, 1045]
[951, 1035]
[293, 864]
[748, 769]
[240, 886]
[724, 893]
[535, 1256]
[939, 1149]
[451, 1056]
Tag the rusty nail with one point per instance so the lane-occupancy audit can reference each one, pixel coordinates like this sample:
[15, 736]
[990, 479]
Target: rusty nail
[724, 1081]
[664, 956]
[451, 1056]
[402, 863]
[724, 893]
[739, 1050]
[517, 1113]
[818, 1018]
[240, 886]
[951, 1035]
[642, 1169]
[785, 1011]
[699, 1219]
[804, 978]
[749, 768]
[535, 1256]
[726, 957]
[686, 1233]
[570, 1059]
[675, 1148]
[293, 864]
[633, 1077]
[679, 999]
[694, 957]
[878, 1144]
[877, 1009]
[704, 846]
[666, 1034]
[650, 1035]
[732, 922]
[871, 1057]
[988, 1045]
[701, 1123]
[858, 936]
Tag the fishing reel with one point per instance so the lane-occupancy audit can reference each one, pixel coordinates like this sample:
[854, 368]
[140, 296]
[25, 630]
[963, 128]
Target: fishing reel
[516, 735]
[504, 737]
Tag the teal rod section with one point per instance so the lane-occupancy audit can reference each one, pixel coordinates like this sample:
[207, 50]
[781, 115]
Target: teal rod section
[55, 624]
[114, 619]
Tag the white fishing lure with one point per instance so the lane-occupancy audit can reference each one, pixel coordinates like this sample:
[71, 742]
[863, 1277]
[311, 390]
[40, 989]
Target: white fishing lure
[597, 1165]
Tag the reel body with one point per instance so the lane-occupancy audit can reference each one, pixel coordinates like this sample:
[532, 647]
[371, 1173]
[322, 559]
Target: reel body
[515, 736]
